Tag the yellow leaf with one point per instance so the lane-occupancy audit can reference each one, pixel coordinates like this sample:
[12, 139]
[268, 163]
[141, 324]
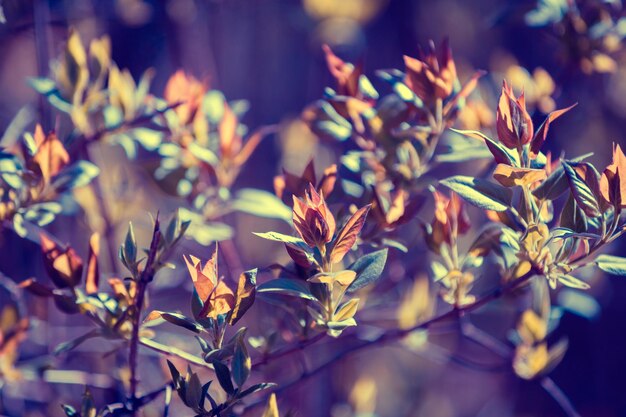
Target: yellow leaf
[510, 176]
[271, 410]
[347, 311]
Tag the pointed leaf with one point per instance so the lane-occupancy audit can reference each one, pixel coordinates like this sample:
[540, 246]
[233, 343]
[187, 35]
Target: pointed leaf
[349, 234]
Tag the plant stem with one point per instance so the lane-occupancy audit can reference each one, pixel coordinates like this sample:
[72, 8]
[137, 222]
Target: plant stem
[145, 278]
[559, 396]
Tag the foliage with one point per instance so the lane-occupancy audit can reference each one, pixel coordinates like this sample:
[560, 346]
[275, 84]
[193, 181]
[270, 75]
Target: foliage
[529, 224]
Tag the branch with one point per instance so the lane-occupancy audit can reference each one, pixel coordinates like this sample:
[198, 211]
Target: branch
[397, 334]
[145, 278]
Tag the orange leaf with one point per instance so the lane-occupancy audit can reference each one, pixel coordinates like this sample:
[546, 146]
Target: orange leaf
[348, 234]
[51, 155]
[542, 133]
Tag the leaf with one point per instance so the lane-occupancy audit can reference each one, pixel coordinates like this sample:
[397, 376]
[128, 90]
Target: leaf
[244, 298]
[573, 217]
[510, 176]
[72, 344]
[174, 318]
[271, 410]
[480, 193]
[347, 311]
[223, 377]
[572, 282]
[69, 411]
[256, 388]
[615, 265]
[368, 268]
[76, 175]
[500, 154]
[582, 193]
[262, 204]
[287, 286]
[556, 183]
[294, 242]
[578, 303]
[542, 132]
[129, 248]
[348, 234]
[88, 407]
[241, 363]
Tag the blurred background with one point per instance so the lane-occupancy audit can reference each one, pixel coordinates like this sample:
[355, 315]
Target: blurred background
[268, 52]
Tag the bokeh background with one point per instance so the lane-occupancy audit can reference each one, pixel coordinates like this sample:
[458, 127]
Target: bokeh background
[269, 53]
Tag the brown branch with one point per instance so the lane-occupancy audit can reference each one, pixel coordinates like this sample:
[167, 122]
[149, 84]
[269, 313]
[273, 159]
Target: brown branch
[559, 396]
[145, 277]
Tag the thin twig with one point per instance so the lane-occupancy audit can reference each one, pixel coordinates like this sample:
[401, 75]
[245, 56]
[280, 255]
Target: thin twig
[270, 357]
[559, 396]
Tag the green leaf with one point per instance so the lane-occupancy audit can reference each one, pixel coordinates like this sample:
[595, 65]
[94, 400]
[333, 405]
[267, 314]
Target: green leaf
[69, 411]
[573, 217]
[262, 204]
[76, 175]
[71, 344]
[42, 85]
[241, 363]
[483, 194]
[582, 193]
[223, 377]
[294, 242]
[287, 286]
[256, 388]
[88, 407]
[176, 319]
[148, 138]
[615, 265]
[578, 303]
[129, 248]
[555, 185]
[499, 152]
[368, 268]
[572, 282]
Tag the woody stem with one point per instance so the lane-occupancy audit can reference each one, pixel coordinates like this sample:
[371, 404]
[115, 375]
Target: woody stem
[145, 277]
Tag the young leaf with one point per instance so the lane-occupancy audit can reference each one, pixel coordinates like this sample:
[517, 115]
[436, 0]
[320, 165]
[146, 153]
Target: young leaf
[615, 265]
[348, 234]
[481, 193]
[368, 268]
